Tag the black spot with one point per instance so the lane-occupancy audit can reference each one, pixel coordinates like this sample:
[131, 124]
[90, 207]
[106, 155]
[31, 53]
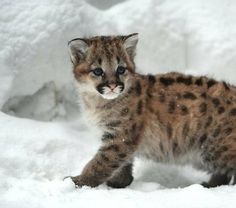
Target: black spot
[210, 83]
[199, 82]
[228, 131]
[122, 155]
[203, 138]
[184, 110]
[221, 110]
[209, 121]
[162, 97]
[184, 80]
[167, 81]
[118, 59]
[100, 87]
[99, 162]
[107, 136]
[112, 147]
[226, 85]
[189, 95]
[204, 95]
[203, 108]
[207, 158]
[223, 149]
[128, 142]
[216, 131]
[113, 123]
[216, 102]
[228, 102]
[121, 85]
[124, 111]
[233, 112]
[151, 79]
[99, 61]
[104, 157]
[139, 108]
[169, 130]
[172, 106]
[175, 147]
[114, 166]
[161, 147]
[138, 88]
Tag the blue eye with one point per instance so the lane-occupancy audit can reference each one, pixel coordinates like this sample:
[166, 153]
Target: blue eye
[98, 72]
[120, 70]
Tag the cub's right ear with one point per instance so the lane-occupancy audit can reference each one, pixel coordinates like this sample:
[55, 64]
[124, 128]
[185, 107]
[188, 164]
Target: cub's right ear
[77, 48]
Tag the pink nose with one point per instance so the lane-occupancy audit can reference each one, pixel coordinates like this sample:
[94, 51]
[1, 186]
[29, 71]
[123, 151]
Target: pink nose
[112, 86]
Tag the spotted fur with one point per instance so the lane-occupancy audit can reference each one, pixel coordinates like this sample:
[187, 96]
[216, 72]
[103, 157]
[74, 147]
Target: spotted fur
[168, 117]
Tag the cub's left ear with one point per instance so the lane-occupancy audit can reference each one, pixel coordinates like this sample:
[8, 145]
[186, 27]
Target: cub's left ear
[130, 43]
[78, 49]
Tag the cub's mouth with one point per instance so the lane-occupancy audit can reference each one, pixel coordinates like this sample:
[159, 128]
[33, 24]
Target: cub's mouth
[110, 90]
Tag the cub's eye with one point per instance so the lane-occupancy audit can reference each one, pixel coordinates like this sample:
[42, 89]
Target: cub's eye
[120, 70]
[98, 72]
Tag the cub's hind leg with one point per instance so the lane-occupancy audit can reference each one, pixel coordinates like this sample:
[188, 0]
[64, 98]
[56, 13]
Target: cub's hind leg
[219, 156]
[217, 180]
[122, 177]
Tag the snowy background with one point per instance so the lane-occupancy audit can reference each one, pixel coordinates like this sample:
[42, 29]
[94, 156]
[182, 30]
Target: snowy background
[42, 135]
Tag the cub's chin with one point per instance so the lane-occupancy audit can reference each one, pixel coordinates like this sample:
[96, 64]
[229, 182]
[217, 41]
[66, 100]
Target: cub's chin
[110, 95]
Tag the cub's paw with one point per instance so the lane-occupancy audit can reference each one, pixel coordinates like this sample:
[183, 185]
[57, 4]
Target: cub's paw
[77, 181]
[120, 183]
[82, 180]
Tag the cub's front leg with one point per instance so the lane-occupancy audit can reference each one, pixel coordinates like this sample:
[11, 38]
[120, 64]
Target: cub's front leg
[112, 156]
[122, 177]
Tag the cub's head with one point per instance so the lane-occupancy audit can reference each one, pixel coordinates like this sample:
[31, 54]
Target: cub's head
[104, 64]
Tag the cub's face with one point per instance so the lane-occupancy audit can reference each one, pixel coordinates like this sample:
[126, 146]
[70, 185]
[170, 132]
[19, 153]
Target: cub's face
[104, 65]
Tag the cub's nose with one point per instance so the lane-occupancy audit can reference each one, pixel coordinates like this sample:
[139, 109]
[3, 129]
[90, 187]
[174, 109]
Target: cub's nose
[112, 86]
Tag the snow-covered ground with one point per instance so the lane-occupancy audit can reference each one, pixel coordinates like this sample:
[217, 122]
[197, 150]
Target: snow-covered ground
[42, 136]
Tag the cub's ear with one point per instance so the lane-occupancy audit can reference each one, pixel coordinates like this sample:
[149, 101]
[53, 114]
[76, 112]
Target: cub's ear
[78, 48]
[130, 43]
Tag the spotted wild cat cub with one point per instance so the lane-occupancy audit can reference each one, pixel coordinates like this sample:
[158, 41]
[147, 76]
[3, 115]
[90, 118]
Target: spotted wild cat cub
[167, 117]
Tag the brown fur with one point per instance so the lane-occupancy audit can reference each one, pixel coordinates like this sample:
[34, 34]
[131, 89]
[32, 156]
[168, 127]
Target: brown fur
[168, 117]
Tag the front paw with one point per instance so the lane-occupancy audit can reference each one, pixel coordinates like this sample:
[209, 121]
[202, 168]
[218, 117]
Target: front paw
[80, 181]
[77, 181]
[120, 182]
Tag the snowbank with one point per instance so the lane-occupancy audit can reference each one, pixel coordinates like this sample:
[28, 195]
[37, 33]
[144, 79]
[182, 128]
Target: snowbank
[196, 36]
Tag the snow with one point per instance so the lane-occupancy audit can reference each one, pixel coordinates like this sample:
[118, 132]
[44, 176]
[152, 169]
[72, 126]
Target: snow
[37, 155]
[43, 137]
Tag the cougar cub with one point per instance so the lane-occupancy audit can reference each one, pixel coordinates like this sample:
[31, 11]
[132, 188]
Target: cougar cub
[166, 117]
